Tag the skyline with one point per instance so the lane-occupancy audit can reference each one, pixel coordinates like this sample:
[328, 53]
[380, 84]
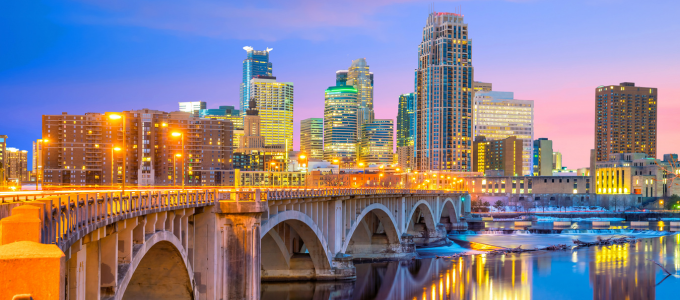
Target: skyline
[70, 54]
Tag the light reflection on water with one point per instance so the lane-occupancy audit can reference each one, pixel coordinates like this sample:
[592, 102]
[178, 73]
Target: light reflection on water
[614, 272]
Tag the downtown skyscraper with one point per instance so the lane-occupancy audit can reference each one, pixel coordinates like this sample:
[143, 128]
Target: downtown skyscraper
[359, 77]
[444, 92]
[256, 64]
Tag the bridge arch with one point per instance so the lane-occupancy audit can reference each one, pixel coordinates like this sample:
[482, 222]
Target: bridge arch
[385, 217]
[427, 214]
[449, 208]
[314, 243]
[160, 270]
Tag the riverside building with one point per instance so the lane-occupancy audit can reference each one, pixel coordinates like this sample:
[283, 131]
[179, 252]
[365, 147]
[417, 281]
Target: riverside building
[625, 120]
[340, 123]
[377, 144]
[275, 104]
[311, 137]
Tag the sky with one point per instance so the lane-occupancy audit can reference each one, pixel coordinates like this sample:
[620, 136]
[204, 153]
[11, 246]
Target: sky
[81, 56]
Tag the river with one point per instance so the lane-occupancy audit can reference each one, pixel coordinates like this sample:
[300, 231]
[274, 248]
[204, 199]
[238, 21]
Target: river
[598, 272]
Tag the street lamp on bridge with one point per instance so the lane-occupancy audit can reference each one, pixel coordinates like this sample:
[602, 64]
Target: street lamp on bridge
[181, 135]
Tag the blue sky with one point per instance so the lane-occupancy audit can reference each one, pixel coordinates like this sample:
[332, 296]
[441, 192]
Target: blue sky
[96, 56]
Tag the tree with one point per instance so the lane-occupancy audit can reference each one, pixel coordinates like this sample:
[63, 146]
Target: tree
[486, 203]
[498, 205]
[672, 203]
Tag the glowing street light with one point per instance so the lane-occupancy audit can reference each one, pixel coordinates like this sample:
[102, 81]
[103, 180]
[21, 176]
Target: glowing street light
[113, 163]
[122, 117]
[180, 134]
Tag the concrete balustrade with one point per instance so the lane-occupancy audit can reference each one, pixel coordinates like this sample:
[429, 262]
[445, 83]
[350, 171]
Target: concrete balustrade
[208, 244]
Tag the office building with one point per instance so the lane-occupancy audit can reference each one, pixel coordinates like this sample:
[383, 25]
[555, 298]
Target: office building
[82, 149]
[340, 123]
[377, 142]
[406, 120]
[444, 91]
[16, 164]
[542, 158]
[256, 64]
[557, 161]
[275, 105]
[3, 158]
[482, 86]
[223, 113]
[497, 115]
[359, 77]
[311, 138]
[192, 107]
[253, 153]
[625, 120]
[637, 174]
[497, 155]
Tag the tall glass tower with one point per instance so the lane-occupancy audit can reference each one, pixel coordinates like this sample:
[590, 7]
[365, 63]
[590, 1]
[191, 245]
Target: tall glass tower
[256, 64]
[359, 77]
[406, 120]
[340, 123]
[444, 91]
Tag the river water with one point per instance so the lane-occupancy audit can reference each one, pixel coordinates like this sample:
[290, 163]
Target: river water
[599, 272]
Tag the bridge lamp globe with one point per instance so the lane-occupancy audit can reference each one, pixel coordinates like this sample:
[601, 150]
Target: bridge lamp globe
[116, 149]
[115, 117]
[176, 134]
[178, 155]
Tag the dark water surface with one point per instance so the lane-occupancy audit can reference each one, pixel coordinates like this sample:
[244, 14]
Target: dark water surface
[614, 272]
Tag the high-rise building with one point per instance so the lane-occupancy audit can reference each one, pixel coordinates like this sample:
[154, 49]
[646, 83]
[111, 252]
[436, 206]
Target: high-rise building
[359, 77]
[340, 123]
[3, 158]
[482, 86]
[311, 137]
[377, 142]
[405, 158]
[497, 115]
[252, 136]
[223, 113]
[275, 104]
[497, 155]
[38, 159]
[444, 92]
[256, 64]
[16, 164]
[81, 149]
[406, 120]
[253, 153]
[625, 120]
[542, 158]
[192, 107]
[557, 161]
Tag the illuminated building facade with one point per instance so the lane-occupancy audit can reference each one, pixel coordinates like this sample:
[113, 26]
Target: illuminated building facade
[542, 158]
[359, 77]
[256, 64]
[557, 161]
[637, 174]
[275, 104]
[625, 120]
[480, 87]
[192, 107]
[444, 91]
[406, 119]
[340, 123]
[16, 164]
[499, 155]
[81, 149]
[311, 138]
[497, 115]
[223, 113]
[38, 159]
[377, 142]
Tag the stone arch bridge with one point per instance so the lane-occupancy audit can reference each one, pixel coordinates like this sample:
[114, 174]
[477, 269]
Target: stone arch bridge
[219, 244]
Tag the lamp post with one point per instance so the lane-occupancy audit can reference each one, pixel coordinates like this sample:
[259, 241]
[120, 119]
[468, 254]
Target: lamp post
[180, 134]
[116, 117]
[363, 173]
[271, 167]
[112, 162]
[174, 169]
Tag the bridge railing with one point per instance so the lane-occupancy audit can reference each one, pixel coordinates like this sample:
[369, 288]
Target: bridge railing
[283, 194]
[74, 215]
